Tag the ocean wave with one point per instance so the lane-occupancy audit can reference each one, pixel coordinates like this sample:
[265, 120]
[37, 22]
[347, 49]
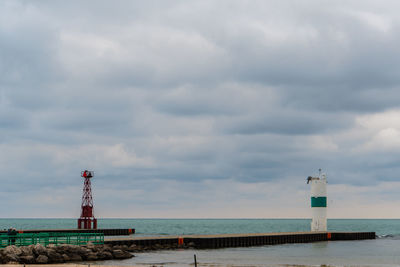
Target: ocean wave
[389, 236]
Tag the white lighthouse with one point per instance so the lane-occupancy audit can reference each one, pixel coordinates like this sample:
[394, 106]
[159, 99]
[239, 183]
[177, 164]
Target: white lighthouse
[318, 202]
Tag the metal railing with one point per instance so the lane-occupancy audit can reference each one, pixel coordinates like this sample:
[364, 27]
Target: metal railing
[26, 239]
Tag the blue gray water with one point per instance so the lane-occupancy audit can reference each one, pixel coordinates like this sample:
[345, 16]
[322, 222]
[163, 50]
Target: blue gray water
[384, 251]
[212, 226]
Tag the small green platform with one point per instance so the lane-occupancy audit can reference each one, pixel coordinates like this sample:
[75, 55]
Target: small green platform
[26, 239]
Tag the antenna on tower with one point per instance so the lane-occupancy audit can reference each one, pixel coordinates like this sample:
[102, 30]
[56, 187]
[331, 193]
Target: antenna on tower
[87, 218]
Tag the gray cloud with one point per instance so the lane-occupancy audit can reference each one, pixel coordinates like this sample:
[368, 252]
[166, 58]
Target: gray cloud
[196, 92]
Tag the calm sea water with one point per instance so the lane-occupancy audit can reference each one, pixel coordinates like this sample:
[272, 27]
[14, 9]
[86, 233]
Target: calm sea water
[384, 251]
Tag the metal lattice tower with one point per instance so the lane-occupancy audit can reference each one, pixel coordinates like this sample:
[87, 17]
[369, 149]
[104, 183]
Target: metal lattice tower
[87, 219]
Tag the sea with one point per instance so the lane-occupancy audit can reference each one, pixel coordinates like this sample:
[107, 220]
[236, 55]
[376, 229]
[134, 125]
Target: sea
[383, 251]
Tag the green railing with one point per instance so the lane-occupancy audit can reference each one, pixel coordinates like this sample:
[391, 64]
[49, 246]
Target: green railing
[26, 239]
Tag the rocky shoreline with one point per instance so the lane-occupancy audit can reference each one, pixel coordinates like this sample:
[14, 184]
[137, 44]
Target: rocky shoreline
[38, 254]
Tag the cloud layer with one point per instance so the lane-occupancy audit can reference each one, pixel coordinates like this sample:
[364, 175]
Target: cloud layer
[198, 109]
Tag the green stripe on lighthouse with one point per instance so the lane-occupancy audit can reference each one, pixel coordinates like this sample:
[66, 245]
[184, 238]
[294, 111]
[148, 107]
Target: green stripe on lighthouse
[318, 202]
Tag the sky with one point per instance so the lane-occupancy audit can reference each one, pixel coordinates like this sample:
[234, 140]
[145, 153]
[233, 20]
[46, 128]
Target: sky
[199, 109]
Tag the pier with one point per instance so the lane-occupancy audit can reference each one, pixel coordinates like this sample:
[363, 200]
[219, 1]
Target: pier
[239, 240]
[106, 232]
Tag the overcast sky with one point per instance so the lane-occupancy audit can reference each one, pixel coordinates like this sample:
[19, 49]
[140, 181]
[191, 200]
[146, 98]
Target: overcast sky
[199, 109]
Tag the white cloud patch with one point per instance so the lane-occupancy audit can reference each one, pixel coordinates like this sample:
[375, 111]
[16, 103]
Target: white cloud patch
[383, 129]
[376, 21]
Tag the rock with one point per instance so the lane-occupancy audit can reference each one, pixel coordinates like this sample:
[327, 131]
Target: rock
[68, 249]
[120, 254]
[84, 251]
[13, 250]
[11, 254]
[63, 248]
[27, 250]
[42, 259]
[12, 263]
[90, 245]
[106, 248]
[120, 247]
[92, 257]
[39, 250]
[97, 248]
[54, 256]
[139, 248]
[38, 254]
[66, 257]
[72, 252]
[27, 259]
[105, 255]
[75, 257]
[11, 258]
[132, 248]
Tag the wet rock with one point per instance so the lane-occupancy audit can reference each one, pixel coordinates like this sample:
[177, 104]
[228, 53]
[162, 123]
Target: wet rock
[120, 254]
[105, 255]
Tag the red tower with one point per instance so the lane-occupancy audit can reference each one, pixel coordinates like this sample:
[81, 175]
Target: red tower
[87, 217]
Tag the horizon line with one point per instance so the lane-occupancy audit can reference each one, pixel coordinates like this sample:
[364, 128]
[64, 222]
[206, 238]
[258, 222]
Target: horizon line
[193, 218]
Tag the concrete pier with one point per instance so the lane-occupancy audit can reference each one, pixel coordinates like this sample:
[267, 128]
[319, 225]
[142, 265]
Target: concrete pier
[106, 232]
[241, 240]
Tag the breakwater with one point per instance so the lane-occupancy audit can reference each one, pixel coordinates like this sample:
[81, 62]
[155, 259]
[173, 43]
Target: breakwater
[123, 247]
[237, 240]
[38, 254]
[106, 232]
